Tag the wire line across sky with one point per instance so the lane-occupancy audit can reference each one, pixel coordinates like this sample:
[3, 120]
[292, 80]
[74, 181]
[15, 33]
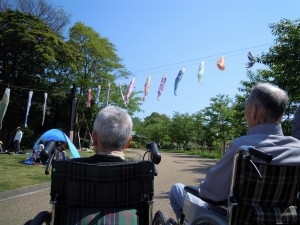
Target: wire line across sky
[160, 37]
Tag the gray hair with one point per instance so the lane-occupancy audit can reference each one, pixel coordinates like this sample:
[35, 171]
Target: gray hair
[296, 124]
[113, 126]
[270, 99]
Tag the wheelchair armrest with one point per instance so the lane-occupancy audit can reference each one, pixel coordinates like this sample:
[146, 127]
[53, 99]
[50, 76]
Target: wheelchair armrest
[192, 190]
[195, 191]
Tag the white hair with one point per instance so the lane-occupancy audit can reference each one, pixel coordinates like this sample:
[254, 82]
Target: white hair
[113, 126]
[271, 99]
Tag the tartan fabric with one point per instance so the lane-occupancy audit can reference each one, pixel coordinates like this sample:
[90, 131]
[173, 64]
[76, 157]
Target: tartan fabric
[270, 200]
[92, 216]
[250, 215]
[102, 186]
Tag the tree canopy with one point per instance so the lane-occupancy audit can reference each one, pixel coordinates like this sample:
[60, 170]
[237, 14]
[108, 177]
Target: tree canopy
[283, 59]
[35, 58]
[32, 57]
[55, 18]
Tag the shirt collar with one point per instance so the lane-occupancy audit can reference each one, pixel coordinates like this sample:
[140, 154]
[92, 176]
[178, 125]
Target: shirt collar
[266, 128]
[113, 153]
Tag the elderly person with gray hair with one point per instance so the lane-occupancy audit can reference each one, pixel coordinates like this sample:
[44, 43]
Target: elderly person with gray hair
[296, 124]
[263, 112]
[111, 135]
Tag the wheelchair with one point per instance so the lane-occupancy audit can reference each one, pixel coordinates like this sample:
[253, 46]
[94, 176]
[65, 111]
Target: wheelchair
[105, 193]
[260, 193]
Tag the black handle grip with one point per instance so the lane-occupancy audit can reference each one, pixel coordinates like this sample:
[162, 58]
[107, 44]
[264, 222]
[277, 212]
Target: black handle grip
[260, 154]
[49, 164]
[47, 152]
[154, 153]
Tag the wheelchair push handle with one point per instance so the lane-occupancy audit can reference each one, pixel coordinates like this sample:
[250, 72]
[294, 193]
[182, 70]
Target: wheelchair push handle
[258, 153]
[154, 153]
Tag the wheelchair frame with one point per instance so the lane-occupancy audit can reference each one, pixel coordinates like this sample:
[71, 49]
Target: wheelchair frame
[122, 189]
[195, 215]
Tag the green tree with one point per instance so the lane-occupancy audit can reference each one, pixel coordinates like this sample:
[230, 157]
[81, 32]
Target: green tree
[55, 18]
[155, 128]
[33, 57]
[283, 61]
[198, 130]
[31, 52]
[97, 64]
[283, 58]
[181, 129]
[218, 119]
[239, 126]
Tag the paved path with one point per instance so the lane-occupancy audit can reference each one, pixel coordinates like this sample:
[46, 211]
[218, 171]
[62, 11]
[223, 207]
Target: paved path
[18, 206]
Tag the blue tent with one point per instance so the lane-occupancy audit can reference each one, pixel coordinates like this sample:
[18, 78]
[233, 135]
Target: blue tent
[58, 135]
[55, 135]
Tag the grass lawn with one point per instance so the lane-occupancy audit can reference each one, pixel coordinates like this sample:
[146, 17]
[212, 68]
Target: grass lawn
[14, 174]
[212, 154]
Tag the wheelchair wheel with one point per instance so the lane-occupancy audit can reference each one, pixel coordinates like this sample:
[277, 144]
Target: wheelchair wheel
[28, 222]
[42, 218]
[160, 218]
[210, 219]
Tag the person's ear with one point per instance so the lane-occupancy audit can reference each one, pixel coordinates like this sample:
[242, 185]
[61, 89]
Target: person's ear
[279, 120]
[128, 143]
[94, 138]
[254, 112]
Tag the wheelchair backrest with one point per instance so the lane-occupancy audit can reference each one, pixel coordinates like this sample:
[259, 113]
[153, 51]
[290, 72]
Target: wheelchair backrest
[271, 199]
[102, 186]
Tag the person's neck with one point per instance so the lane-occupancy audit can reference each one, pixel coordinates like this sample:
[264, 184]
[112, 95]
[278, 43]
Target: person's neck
[112, 153]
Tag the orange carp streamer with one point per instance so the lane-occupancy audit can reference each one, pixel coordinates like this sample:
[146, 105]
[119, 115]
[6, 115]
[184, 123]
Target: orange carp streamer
[221, 63]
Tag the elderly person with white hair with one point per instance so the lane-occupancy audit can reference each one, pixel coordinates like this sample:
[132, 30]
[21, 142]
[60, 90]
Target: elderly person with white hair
[111, 135]
[296, 124]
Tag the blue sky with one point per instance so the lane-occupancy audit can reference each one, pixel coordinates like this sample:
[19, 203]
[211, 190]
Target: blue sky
[161, 36]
